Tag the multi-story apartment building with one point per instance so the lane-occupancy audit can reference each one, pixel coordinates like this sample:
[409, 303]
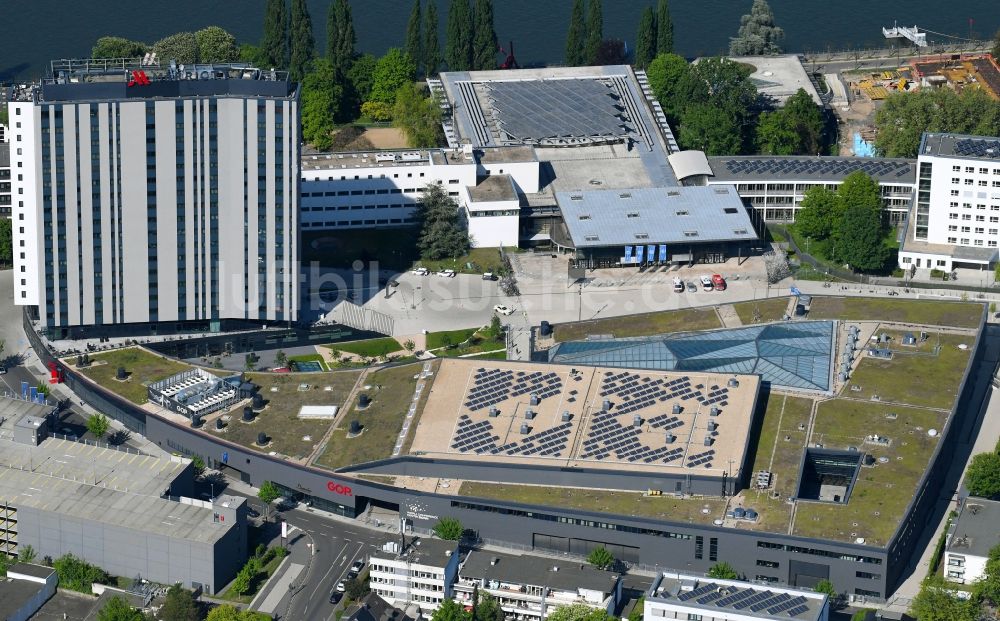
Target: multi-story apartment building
[955, 221]
[970, 539]
[695, 597]
[421, 572]
[4, 179]
[530, 588]
[155, 198]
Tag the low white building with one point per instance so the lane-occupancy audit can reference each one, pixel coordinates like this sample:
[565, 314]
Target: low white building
[530, 588]
[694, 597]
[422, 573]
[970, 540]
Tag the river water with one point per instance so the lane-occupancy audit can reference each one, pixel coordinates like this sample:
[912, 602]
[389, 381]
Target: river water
[36, 31]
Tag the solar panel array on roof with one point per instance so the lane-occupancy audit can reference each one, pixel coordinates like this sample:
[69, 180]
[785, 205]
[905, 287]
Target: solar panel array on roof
[543, 109]
[977, 148]
[791, 167]
[478, 438]
[749, 599]
[498, 385]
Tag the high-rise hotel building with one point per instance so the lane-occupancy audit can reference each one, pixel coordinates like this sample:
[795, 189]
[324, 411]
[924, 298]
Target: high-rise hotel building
[149, 198]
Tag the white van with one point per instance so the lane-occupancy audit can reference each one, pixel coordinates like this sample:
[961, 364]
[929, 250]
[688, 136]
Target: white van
[678, 285]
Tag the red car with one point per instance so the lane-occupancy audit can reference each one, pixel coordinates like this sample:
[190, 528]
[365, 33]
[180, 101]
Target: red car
[718, 282]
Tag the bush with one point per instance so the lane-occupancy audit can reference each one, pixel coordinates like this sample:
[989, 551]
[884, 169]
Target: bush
[449, 528]
[76, 574]
[937, 274]
[377, 111]
[983, 476]
[601, 558]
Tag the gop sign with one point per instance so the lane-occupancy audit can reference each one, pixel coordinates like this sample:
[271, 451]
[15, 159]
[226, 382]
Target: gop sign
[337, 488]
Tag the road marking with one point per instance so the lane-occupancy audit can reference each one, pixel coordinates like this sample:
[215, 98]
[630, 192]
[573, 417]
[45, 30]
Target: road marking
[328, 572]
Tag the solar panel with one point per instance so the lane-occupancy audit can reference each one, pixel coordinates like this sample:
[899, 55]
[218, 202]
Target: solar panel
[798, 610]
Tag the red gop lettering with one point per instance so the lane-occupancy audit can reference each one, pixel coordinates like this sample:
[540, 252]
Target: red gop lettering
[337, 488]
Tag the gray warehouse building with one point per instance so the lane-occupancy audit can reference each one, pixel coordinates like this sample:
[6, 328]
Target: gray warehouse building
[125, 512]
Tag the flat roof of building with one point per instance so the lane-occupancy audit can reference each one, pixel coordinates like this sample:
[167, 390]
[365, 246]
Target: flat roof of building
[661, 417]
[494, 188]
[961, 146]
[30, 569]
[779, 77]
[536, 571]
[737, 597]
[15, 594]
[422, 550]
[680, 215]
[689, 164]
[760, 168]
[975, 532]
[13, 410]
[369, 159]
[504, 155]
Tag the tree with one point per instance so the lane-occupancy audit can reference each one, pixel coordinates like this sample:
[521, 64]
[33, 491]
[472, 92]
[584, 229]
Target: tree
[250, 361]
[601, 558]
[807, 120]
[488, 608]
[495, 331]
[449, 610]
[179, 605]
[757, 36]
[340, 37]
[6, 241]
[431, 48]
[723, 571]
[988, 587]
[409, 345]
[356, 588]
[216, 45]
[321, 97]
[775, 134]
[377, 111]
[392, 71]
[860, 238]
[117, 609]
[595, 31]
[241, 583]
[576, 36]
[725, 86]
[707, 128]
[118, 47]
[645, 39]
[484, 40]
[905, 117]
[418, 116]
[935, 603]
[252, 54]
[268, 492]
[611, 52]
[578, 612]
[360, 76]
[983, 476]
[98, 425]
[301, 41]
[458, 36]
[825, 586]
[77, 575]
[863, 615]
[275, 41]
[818, 213]
[449, 529]
[280, 357]
[414, 45]
[664, 29]
[182, 47]
[198, 464]
[228, 612]
[26, 554]
[666, 72]
[442, 233]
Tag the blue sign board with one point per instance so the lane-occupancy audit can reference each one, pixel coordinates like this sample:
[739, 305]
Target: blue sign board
[663, 253]
[795, 291]
[24, 390]
[638, 253]
[33, 394]
[628, 254]
[225, 457]
[651, 253]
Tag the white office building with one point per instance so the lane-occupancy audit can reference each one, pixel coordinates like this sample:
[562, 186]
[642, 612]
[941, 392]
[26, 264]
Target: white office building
[955, 220]
[155, 198]
[693, 597]
[970, 539]
[420, 573]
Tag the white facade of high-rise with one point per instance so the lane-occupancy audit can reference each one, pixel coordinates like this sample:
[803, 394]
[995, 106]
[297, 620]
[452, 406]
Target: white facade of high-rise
[955, 221]
[141, 208]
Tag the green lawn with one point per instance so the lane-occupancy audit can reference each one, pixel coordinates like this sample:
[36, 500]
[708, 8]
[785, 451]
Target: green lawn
[665, 507]
[922, 312]
[308, 358]
[279, 419]
[477, 261]
[882, 492]
[142, 366]
[915, 375]
[391, 395]
[647, 324]
[372, 348]
[770, 309]
[449, 337]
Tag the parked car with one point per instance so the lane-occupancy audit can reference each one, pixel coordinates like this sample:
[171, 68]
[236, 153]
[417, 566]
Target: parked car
[678, 285]
[706, 283]
[489, 276]
[3, 370]
[341, 586]
[420, 271]
[446, 273]
[500, 309]
[718, 282]
[357, 566]
[691, 287]
[335, 597]
[351, 574]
